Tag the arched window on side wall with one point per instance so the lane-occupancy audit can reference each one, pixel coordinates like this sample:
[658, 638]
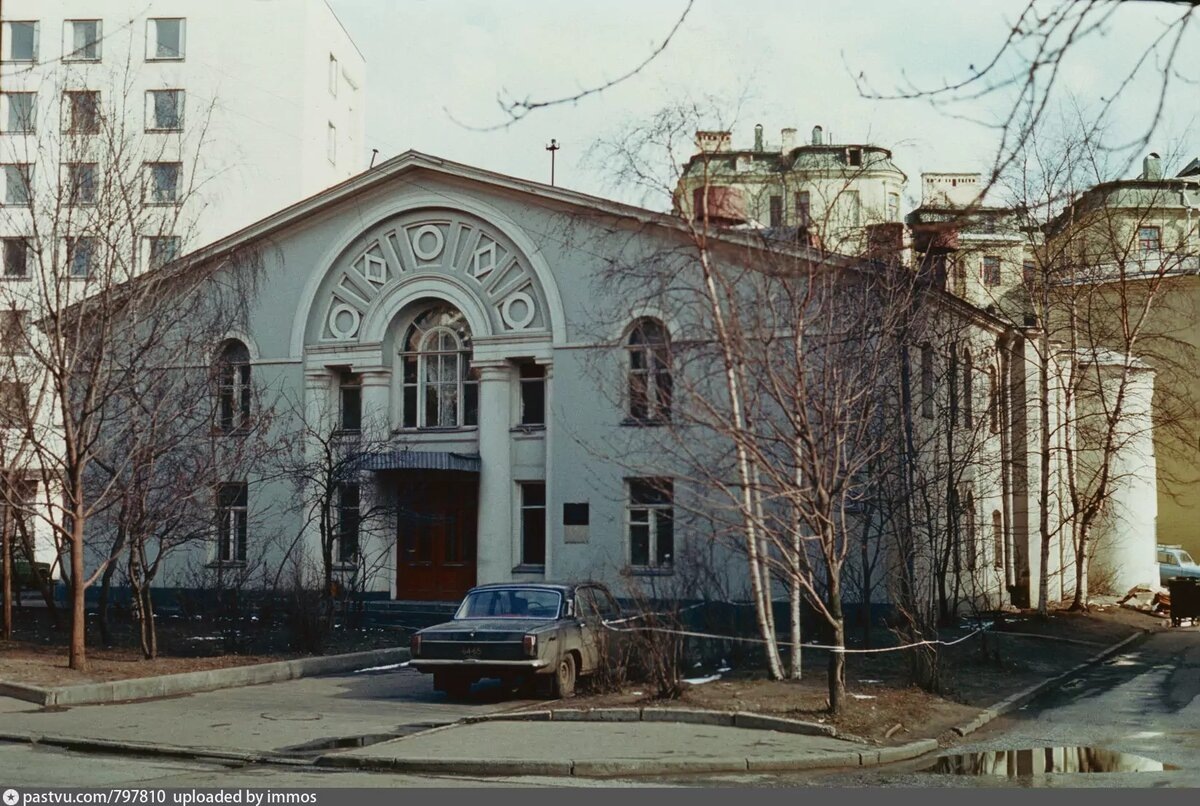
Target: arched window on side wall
[233, 386]
[968, 390]
[440, 390]
[649, 380]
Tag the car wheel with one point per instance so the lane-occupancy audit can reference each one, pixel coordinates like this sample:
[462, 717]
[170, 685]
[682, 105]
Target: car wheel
[563, 683]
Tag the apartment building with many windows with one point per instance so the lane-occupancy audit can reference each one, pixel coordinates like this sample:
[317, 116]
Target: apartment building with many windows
[132, 131]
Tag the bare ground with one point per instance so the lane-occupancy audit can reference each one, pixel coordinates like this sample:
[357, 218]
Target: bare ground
[47, 666]
[880, 695]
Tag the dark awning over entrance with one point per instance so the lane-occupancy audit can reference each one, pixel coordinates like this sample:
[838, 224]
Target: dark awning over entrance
[420, 460]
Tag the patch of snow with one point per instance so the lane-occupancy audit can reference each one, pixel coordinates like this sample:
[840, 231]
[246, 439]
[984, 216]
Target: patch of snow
[697, 681]
[870, 681]
[387, 668]
[862, 696]
[723, 669]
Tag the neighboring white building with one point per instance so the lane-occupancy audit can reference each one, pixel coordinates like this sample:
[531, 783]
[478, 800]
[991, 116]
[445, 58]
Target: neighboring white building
[267, 95]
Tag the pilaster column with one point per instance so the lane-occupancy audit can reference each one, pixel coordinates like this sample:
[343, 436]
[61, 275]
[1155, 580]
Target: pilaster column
[376, 405]
[317, 410]
[494, 553]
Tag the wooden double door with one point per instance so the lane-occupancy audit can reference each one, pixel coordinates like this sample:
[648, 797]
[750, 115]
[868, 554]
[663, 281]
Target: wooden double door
[437, 522]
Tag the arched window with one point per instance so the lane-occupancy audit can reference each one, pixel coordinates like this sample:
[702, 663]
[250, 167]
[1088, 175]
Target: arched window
[993, 401]
[997, 539]
[233, 386]
[440, 390]
[649, 372]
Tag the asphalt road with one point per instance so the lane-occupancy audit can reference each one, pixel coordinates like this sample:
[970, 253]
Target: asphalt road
[1142, 702]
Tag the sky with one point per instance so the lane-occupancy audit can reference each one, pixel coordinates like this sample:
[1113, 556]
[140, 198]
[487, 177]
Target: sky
[436, 67]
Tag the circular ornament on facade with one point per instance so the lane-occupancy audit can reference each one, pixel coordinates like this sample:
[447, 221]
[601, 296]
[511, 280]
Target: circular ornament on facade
[518, 311]
[344, 320]
[423, 236]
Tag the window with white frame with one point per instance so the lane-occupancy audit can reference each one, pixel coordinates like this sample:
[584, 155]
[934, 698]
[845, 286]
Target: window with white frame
[20, 41]
[349, 522]
[993, 401]
[164, 110]
[160, 250]
[333, 75]
[1149, 239]
[331, 144]
[82, 255]
[803, 208]
[81, 40]
[232, 521]
[533, 523]
[165, 38]
[968, 390]
[82, 181]
[533, 394]
[649, 382]
[991, 270]
[163, 182]
[16, 258]
[233, 387]
[650, 522]
[18, 179]
[81, 112]
[439, 387]
[19, 115]
[14, 331]
[893, 206]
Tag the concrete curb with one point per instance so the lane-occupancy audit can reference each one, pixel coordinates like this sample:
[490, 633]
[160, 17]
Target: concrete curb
[134, 748]
[633, 767]
[1015, 701]
[146, 688]
[691, 716]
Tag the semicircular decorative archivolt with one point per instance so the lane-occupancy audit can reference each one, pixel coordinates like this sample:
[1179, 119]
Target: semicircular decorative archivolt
[475, 256]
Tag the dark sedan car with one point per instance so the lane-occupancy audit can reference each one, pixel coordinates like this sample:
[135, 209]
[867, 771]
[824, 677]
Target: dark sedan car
[550, 634]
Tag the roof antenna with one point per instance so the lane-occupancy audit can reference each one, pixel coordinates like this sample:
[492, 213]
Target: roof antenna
[374, 154]
[552, 148]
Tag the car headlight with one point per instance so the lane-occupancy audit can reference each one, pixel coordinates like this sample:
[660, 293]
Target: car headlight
[529, 644]
[414, 644]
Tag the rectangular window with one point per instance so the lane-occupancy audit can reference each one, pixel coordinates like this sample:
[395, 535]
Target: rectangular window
[854, 157]
[776, 211]
[849, 209]
[1029, 273]
[803, 209]
[14, 404]
[14, 326]
[350, 401]
[164, 38]
[349, 520]
[82, 179]
[164, 110]
[991, 271]
[163, 179]
[20, 41]
[1149, 239]
[232, 511]
[81, 40]
[533, 523]
[333, 75]
[650, 523]
[893, 203]
[161, 250]
[331, 144]
[20, 113]
[927, 382]
[16, 258]
[81, 112]
[82, 254]
[17, 181]
[533, 394]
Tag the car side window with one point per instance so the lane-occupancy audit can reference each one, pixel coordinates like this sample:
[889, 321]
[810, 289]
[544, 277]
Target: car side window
[586, 604]
[1167, 558]
[606, 604]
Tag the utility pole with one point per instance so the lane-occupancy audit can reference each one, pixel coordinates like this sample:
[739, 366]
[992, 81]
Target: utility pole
[552, 148]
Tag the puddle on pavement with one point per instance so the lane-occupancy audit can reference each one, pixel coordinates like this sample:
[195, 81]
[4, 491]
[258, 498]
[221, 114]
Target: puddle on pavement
[1043, 760]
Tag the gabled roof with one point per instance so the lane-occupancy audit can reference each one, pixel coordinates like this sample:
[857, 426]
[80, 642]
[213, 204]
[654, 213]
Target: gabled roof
[411, 161]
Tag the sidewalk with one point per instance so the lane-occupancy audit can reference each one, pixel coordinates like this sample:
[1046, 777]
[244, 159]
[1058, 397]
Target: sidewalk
[612, 748]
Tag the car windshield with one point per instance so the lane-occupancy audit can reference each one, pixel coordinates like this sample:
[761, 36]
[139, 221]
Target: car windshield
[510, 603]
[1186, 559]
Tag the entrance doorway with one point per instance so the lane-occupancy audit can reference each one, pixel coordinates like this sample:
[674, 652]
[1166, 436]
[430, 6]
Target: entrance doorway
[436, 534]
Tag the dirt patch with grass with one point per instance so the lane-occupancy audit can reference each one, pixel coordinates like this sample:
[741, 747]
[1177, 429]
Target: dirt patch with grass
[1021, 651]
[47, 666]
